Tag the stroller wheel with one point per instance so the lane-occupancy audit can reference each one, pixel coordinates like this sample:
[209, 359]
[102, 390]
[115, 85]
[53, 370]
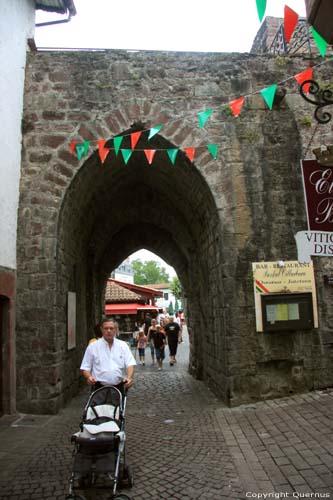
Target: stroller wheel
[127, 476]
[122, 496]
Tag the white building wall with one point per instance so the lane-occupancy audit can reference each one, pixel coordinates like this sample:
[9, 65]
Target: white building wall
[17, 21]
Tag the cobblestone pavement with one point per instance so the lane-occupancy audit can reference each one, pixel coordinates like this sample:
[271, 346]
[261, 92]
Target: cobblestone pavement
[183, 444]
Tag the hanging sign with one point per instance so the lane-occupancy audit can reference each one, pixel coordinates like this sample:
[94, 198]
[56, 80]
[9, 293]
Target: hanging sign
[318, 188]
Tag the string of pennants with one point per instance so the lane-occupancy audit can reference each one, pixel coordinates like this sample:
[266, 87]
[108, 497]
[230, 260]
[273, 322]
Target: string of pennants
[235, 106]
[290, 22]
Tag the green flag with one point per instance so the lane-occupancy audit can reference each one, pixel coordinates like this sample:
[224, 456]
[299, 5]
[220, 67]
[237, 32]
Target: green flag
[268, 94]
[82, 149]
[212, 148]
[127, 153]
[116, 142]
[261, 8]
[154, 130]
[172, 153]
[321, 43]
[203, 117]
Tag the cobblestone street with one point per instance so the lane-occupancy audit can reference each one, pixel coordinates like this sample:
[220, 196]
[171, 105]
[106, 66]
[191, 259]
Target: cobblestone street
[183, 444]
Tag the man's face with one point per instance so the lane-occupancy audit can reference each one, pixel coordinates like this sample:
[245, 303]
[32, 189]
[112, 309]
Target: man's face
[109, 331]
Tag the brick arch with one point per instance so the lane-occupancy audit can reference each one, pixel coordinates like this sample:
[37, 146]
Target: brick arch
[93, 210]
[111, 210]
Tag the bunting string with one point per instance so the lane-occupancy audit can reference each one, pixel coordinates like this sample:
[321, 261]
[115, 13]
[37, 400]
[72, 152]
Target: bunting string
[234, 105]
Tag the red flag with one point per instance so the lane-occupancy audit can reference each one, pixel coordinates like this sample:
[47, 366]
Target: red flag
[305, 75]
[236, 106]
[190, 152]
[290, 22]
[72, 146]
[150, 155]
[102, 151]
[103, 154]
[134, 138]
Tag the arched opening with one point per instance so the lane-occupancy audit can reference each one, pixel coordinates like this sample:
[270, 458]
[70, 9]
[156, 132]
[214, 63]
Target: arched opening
[113, 210]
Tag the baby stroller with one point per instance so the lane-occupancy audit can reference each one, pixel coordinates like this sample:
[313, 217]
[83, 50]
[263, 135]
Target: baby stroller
[99, 446]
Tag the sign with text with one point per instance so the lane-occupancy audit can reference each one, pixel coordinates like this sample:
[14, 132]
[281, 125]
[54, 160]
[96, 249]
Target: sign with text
[316, 243]
[318, 188]
[289, 277]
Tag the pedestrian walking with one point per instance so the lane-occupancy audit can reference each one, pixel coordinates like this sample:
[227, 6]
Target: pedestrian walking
[173, 335]
[108, 360]
[151, 331]
[159, 341]
[141, 345]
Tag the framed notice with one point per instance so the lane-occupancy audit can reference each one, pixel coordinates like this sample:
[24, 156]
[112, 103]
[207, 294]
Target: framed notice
[318, 189]
[285, 296]
[71, 320]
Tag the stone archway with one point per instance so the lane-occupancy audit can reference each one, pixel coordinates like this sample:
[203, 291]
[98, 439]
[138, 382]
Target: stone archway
[112, 210]
[210, 219]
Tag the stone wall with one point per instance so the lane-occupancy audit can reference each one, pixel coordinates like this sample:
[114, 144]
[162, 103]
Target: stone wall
[209, 219]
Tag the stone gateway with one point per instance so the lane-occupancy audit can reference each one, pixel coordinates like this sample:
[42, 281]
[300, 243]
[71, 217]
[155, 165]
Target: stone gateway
[208, 218]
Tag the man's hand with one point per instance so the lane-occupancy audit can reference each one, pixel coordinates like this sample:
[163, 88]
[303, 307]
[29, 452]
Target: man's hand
[89, 378]
[128, 382]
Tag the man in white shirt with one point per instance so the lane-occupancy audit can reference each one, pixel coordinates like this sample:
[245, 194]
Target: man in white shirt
[108, 361]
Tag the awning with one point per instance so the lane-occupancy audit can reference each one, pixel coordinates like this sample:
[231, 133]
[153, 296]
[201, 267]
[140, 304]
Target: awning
[131, 308]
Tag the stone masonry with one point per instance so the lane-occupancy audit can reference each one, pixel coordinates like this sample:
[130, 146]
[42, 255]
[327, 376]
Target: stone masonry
[210, 219]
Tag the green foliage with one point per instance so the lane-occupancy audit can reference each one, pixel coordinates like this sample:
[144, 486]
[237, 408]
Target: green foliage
[306, 121]
[176, 287]
[282, 61]
[148, 273]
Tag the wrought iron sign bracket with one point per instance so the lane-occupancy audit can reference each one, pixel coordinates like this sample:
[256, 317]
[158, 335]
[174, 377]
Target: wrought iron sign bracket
[321, 98]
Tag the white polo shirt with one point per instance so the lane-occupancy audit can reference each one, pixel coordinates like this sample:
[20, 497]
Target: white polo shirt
[106, 365]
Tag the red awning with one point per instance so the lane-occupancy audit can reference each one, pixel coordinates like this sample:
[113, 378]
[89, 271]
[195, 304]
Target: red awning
[131, 308]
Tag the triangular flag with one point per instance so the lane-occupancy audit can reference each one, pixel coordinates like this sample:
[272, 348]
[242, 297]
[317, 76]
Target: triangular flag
[135, 136]
[190, 152]
[302, 77]
[127, 153]
[101, 143]
[172, 153]
[79, 148]
[212, 148]
[72, 145]
[203, 117]
[82, 149]
[154, 130]
[268, 94]
[290, 22]
[321, 43]
[150, 155]
[261, 8]
[116, 143]
[236, 106]
[102, 150]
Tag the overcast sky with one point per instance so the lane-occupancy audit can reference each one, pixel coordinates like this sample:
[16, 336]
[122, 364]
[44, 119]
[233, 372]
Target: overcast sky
[181, 25]
[176, 25]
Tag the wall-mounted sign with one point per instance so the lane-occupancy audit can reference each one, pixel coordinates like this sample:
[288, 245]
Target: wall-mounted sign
[284, 292]
[316, 243]
[318, 188]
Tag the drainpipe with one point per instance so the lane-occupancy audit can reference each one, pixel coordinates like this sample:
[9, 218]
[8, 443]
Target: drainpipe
[49, 23]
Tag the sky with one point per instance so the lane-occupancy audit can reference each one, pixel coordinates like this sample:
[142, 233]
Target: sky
[176, 25]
